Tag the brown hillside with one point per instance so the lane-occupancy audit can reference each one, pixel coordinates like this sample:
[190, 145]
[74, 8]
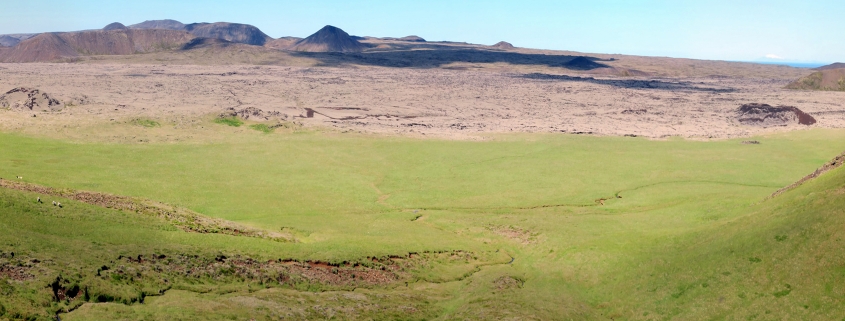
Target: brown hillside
[827, 79]
[43, 47]
[835, 65]
[412, 39]
[233, 32]
[329, 39]
[54, 46]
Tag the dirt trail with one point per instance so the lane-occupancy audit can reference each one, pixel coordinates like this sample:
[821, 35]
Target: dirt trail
[182, 218]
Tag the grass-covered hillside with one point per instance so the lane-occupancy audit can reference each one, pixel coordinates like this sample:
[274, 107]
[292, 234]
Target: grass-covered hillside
[828, 79]
[537, 227]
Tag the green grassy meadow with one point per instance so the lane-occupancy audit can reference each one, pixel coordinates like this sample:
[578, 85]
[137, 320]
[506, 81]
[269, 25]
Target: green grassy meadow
[597, 227]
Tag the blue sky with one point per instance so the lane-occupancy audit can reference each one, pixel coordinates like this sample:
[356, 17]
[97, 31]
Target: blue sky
[742, 30]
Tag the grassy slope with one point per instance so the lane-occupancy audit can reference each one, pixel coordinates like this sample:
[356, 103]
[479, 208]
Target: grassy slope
[684, 207]
[784, 259]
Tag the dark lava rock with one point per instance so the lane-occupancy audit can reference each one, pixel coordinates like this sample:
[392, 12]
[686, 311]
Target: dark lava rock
[768, 116]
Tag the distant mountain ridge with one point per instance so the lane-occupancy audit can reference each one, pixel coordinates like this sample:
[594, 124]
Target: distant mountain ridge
[59, 45]
[233, 32]
[159, 24]
[12, 40]
[835, 65]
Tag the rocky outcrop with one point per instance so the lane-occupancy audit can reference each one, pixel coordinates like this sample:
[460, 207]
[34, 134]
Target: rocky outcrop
[768, 116]
[29, 99]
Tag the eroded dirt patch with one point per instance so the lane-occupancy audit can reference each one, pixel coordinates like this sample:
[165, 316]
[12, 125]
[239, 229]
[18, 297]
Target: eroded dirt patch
[520, 235]
[273, 272]
[182, 218]
[507, 283]
[16, 268]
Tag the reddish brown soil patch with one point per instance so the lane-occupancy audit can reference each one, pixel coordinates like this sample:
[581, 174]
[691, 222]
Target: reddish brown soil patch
[184, 219]
[833, 164]
[369, 272]
[17, 273]
[16, 268]
[767, 115]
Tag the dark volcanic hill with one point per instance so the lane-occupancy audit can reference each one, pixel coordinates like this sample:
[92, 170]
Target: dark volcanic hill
[115, 26]
[835, 65]
[159, 24]
[504, 45]
[329, 39]
[825, 79]
[233, 32]
[58, 45]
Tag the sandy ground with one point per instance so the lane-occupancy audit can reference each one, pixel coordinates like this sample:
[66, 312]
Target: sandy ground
[431, 102]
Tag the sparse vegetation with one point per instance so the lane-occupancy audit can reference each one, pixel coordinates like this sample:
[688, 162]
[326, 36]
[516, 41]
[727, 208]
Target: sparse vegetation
[262, 128]
[149, 123]
[829, 80]
[229, 121]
